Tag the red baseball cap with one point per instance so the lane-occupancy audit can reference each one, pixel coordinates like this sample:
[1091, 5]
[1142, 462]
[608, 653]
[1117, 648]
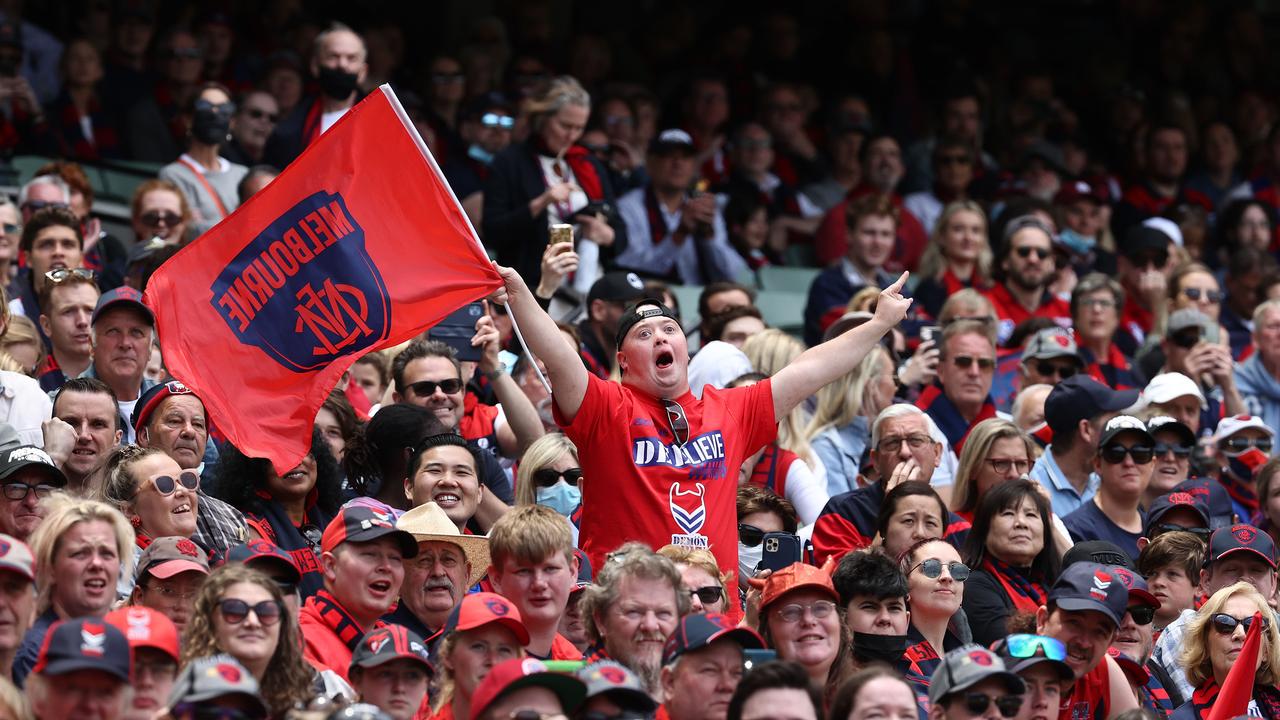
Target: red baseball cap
[357, 523]
[480, 609]
[796, 577]
[518, 673]
[146, 628]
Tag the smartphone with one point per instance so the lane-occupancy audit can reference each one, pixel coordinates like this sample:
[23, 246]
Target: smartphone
[457, 329]
[780, 550]
[751, 657]
[928, 332]
[597, 207]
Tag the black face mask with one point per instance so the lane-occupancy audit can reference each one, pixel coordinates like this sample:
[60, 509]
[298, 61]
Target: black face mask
[212, 123]
[337, 84]
[882, 648]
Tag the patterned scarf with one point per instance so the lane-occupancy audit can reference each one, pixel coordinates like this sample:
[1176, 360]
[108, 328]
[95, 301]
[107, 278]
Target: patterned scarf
[1267, 698]
[1026, 594]
[271, 520]
[338, 620]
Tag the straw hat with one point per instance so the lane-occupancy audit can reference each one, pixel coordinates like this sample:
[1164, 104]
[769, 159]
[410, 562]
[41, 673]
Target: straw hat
[428, 523]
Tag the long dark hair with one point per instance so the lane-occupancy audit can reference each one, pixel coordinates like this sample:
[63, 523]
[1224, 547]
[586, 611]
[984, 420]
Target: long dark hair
[1045, 566]
[381, 452]
[906, 490]
[241, 477]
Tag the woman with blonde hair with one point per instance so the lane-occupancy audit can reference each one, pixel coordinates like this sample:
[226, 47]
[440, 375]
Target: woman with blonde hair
[700, 578]
[841, 424]
[549, 474]
[1212, 643]
[958, 256]
[995, 451]
[21, 343]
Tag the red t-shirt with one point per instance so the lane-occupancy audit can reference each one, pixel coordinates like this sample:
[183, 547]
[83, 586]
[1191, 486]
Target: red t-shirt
[639, 485]
[1090, 698]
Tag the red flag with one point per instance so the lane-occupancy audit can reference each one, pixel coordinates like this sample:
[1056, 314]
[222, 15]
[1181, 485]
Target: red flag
[358, 245]
[1237, 690]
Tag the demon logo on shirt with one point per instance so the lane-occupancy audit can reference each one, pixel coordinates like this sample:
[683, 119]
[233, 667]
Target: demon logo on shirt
[689, 510]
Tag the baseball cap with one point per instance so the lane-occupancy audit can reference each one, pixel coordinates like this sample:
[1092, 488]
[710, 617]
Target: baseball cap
[795, 577]
[1137, 587]
[1229, 426]
[1144, 237]
[25, 456]
[480, 609]
[1051, 342]
[1090, 586]
[1215, 498]
[608, 677]
[1032, 650]
[16, 556]
[1169, 386]
[212, 677]
[1080, 397]
[1134, 672]
[639, 311]
[144, 627]
[1241, 539]
[390, 642]
[1097, 551]
[1188, 318]
[1124, 424]
[1166, 226]
[1075, 191]
[168, 556]
[1172, 501]
[673, 140]
[616, 287]
[357, 523]
[698, 630]
[123, 295]
[84, 644]
[153, 396]
[1162, 423]
[260, 552]
[518, 673]
[966, 666]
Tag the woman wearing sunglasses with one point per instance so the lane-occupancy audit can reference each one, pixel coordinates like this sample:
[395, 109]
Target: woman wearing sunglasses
[700, 577]
[1014, 557]
[290, 511]
[157, 496]
[160, 210]
[800, 619]
[1212, 645]
[549, 474]
[935, 578]
[241, 611]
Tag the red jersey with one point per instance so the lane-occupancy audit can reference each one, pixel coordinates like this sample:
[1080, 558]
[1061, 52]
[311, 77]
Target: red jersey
[479, 422]
[1090, 698]
[644, 486]
[1011, 312]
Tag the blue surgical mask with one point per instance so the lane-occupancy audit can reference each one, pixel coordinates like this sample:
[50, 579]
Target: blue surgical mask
[1075, 242]
[561, 497]
[478, 153]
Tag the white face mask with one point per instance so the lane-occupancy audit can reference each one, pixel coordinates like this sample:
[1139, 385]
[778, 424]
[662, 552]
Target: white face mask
[748, 559]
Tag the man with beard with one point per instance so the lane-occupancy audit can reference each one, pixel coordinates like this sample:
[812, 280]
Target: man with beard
[1026, 268]
[338, 64]
[634, 606]
[1163, 186]
[448, 563]
[89, 406]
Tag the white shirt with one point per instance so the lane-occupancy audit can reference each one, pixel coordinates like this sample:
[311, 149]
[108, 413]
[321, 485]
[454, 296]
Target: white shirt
[328, 119]
[24, 406]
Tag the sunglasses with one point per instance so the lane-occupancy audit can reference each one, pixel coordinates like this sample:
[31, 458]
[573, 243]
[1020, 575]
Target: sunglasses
[1142, 614]
[313, 535]
[1114, 454]
[1178, 450]
[932, 569]
[490, 120]
[1025, 251]
[167, 485]
[154, 219]
[1157, 259]
[678, 421]
[1240, 444]
[1227, 624]
[546, 477]
[227, 107]
[18, 491]
[750, 535]
[58, 275]
[1186, 341]
[1025, 645]
[235, 611]
[424, 388]
[1049, 369]
[38, 205]
[1213, 296]
[257, 114]
[964, 362]
[977, 703]
[1203, 533]
[709, 594]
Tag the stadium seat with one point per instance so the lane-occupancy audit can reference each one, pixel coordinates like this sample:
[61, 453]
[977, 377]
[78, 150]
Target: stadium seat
[788, 279]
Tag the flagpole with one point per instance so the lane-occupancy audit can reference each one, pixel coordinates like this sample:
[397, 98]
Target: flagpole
[386, 89]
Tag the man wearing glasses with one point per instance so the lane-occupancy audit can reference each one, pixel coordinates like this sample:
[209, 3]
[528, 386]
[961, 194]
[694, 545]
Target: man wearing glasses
[1027, 267]
[169, 574]
[1049, 357]
[972, 682]
[1124, 465]
[27, 476]
[961, 396]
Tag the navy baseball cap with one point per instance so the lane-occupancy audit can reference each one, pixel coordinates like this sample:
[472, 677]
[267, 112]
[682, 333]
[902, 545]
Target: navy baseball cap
[1137, 586]
[391, 642]
[1162, 505]
[123, 295]
[1242, 539]
[84, 644]
[257, 553]
[1080, 397]
[1090, 586]
[1215, 498]
[698, 630]
[154, 395]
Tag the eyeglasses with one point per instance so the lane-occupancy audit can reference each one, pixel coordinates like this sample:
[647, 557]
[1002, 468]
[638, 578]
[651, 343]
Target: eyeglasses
[155, 219]
[58, 275]
[819, 609]
[964, 362]
[38, 205]
[1025, 251]
[1025, 645]
[235, 611]
[258, 114]
[18, 491]
[490, 120]
[1114, 454]
[1226, 624]
[932, 569]
[1240, 444]
[1098, 303]
[1142, 614]
[155, 668]
[750, 535]
[1003, 466]
[894, 444]
[171, 593]
[1186, 340]
[1203, 533]
[546, 477]
[977, 703]
[1048, 369]
[709, 594]
[167, 485]
[424, 388]
[1177, 449]
[1213, 296]
[678, 421]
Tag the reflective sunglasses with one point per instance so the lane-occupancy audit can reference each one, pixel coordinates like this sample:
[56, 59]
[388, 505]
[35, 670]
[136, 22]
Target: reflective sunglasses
[793, 612]
[1227, 624]
[1025, 645]
[1049, 369]
[1178, 449]
[235, 611]
[932, 569]
[1142, 614]
[1114, 454]
[423, 388]
[491, 120]
[18, 491]
[167, 485]
[708, 594]
[1240, 444]
[1025, 251]
[750, 535]
[58, 275]
[964, 362]
[1213, 296]
[154, 218]
[546, 477]
[259, 114]
[977, 703]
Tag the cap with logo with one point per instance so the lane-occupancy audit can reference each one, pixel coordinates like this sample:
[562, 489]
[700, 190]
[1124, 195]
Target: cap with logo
[1072, 192]
[698, 630]
[168, 556]
[673, 140]
[1137, 587]
[1163, 505]
[1241, 539]
[966, 666]
[391, 642]
[144, 627]
[1164, 423]
[16, 556]
[642, 310]
[619, 684]
[429, 523]
[216, 676]
[796, 577]
[1215, 497]
[356, 523]
[261, 553]
[518, 673]
[1097, 551]
[1090, 586]
[123, 296]
[84, 644]
[1080, 397]
[480, 609]
[153, 396]
[1050, 343]
[1170, 386]
[30, 456]
[1229, 426]
[1124, 424]
[623, 287]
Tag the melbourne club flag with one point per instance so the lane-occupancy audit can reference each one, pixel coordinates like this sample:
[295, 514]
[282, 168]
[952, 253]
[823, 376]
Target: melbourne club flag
[358, 245]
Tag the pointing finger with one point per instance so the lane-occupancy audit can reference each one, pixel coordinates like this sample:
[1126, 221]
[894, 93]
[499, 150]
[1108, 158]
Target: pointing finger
[902, 280]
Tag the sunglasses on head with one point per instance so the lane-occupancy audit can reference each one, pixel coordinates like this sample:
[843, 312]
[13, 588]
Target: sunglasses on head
[1114, 454]
[1025, 645]
[1213, 296]
[1227, 624]
[546, 477]
[235, 611]
[154, 218]
[167, 485]
[1178, 449]
[1142, 614]
[964, 362]
[708, 594]
[977, 703]
[1048, 369]
[424, 388]
[1240, 444]
[750, 535]
[1025, 251]
[58, 275]
[932, 569]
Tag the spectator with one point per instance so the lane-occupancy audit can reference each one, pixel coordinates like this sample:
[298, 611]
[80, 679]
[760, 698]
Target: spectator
[759, 511]
[219, 683]
[521, 687]
[702, 664]
[1095, 313]
[373, 375]
[807, 628]
[488, 126]
[1163, 184]
[76, 678]
[52, 240]
[1207, 386]
[484, 631]
[83, 128]
[448, 563]
[153, 639]
[1028, 411]
[960, 397]
[911, 512]
[156, 126]
[258, 178]
[1174, 444]
[18, 599]
[337, 423]
[1045, 677]
[612, 689]
[1171, 563]
[733, 326]
[1038, 355]
[273, 562]
[1114, 514]
[390, 670]
[168, 577]
[1084, 238]
[935, 578]
[89, 406]
[159, 210]
[700, 578]
[779, 469]
[67, 305]
[784, 115]
[958, 255]
[255, 119]
[1220, 159]
[1243, 283]
[1268, 510]
[376, 463]
[871, 221]
[122, 331]
[104, 253]
[24, 349]
[157, 495]
[1243, 443]
[953, 170]
[443, 469]
[532, 564]
[1211, 645]
[980, 674]
[841, 424]
[338, 64]
[873, 594]
[607, 301]
[1144, 265]
[362, 556]
[205, 177]
[1257, 377]
[844, 173]
[1025, 260]
[751, 157]
[27, 476]
[716, 299]
[672, 232]
[775, 689]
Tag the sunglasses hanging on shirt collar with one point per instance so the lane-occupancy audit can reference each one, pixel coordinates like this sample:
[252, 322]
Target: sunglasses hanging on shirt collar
[678, 421]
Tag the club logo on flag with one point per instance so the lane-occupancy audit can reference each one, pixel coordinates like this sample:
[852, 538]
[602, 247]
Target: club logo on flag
[305, 290]
[689, 517]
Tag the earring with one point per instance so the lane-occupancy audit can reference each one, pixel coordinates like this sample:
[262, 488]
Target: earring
[135, 521]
